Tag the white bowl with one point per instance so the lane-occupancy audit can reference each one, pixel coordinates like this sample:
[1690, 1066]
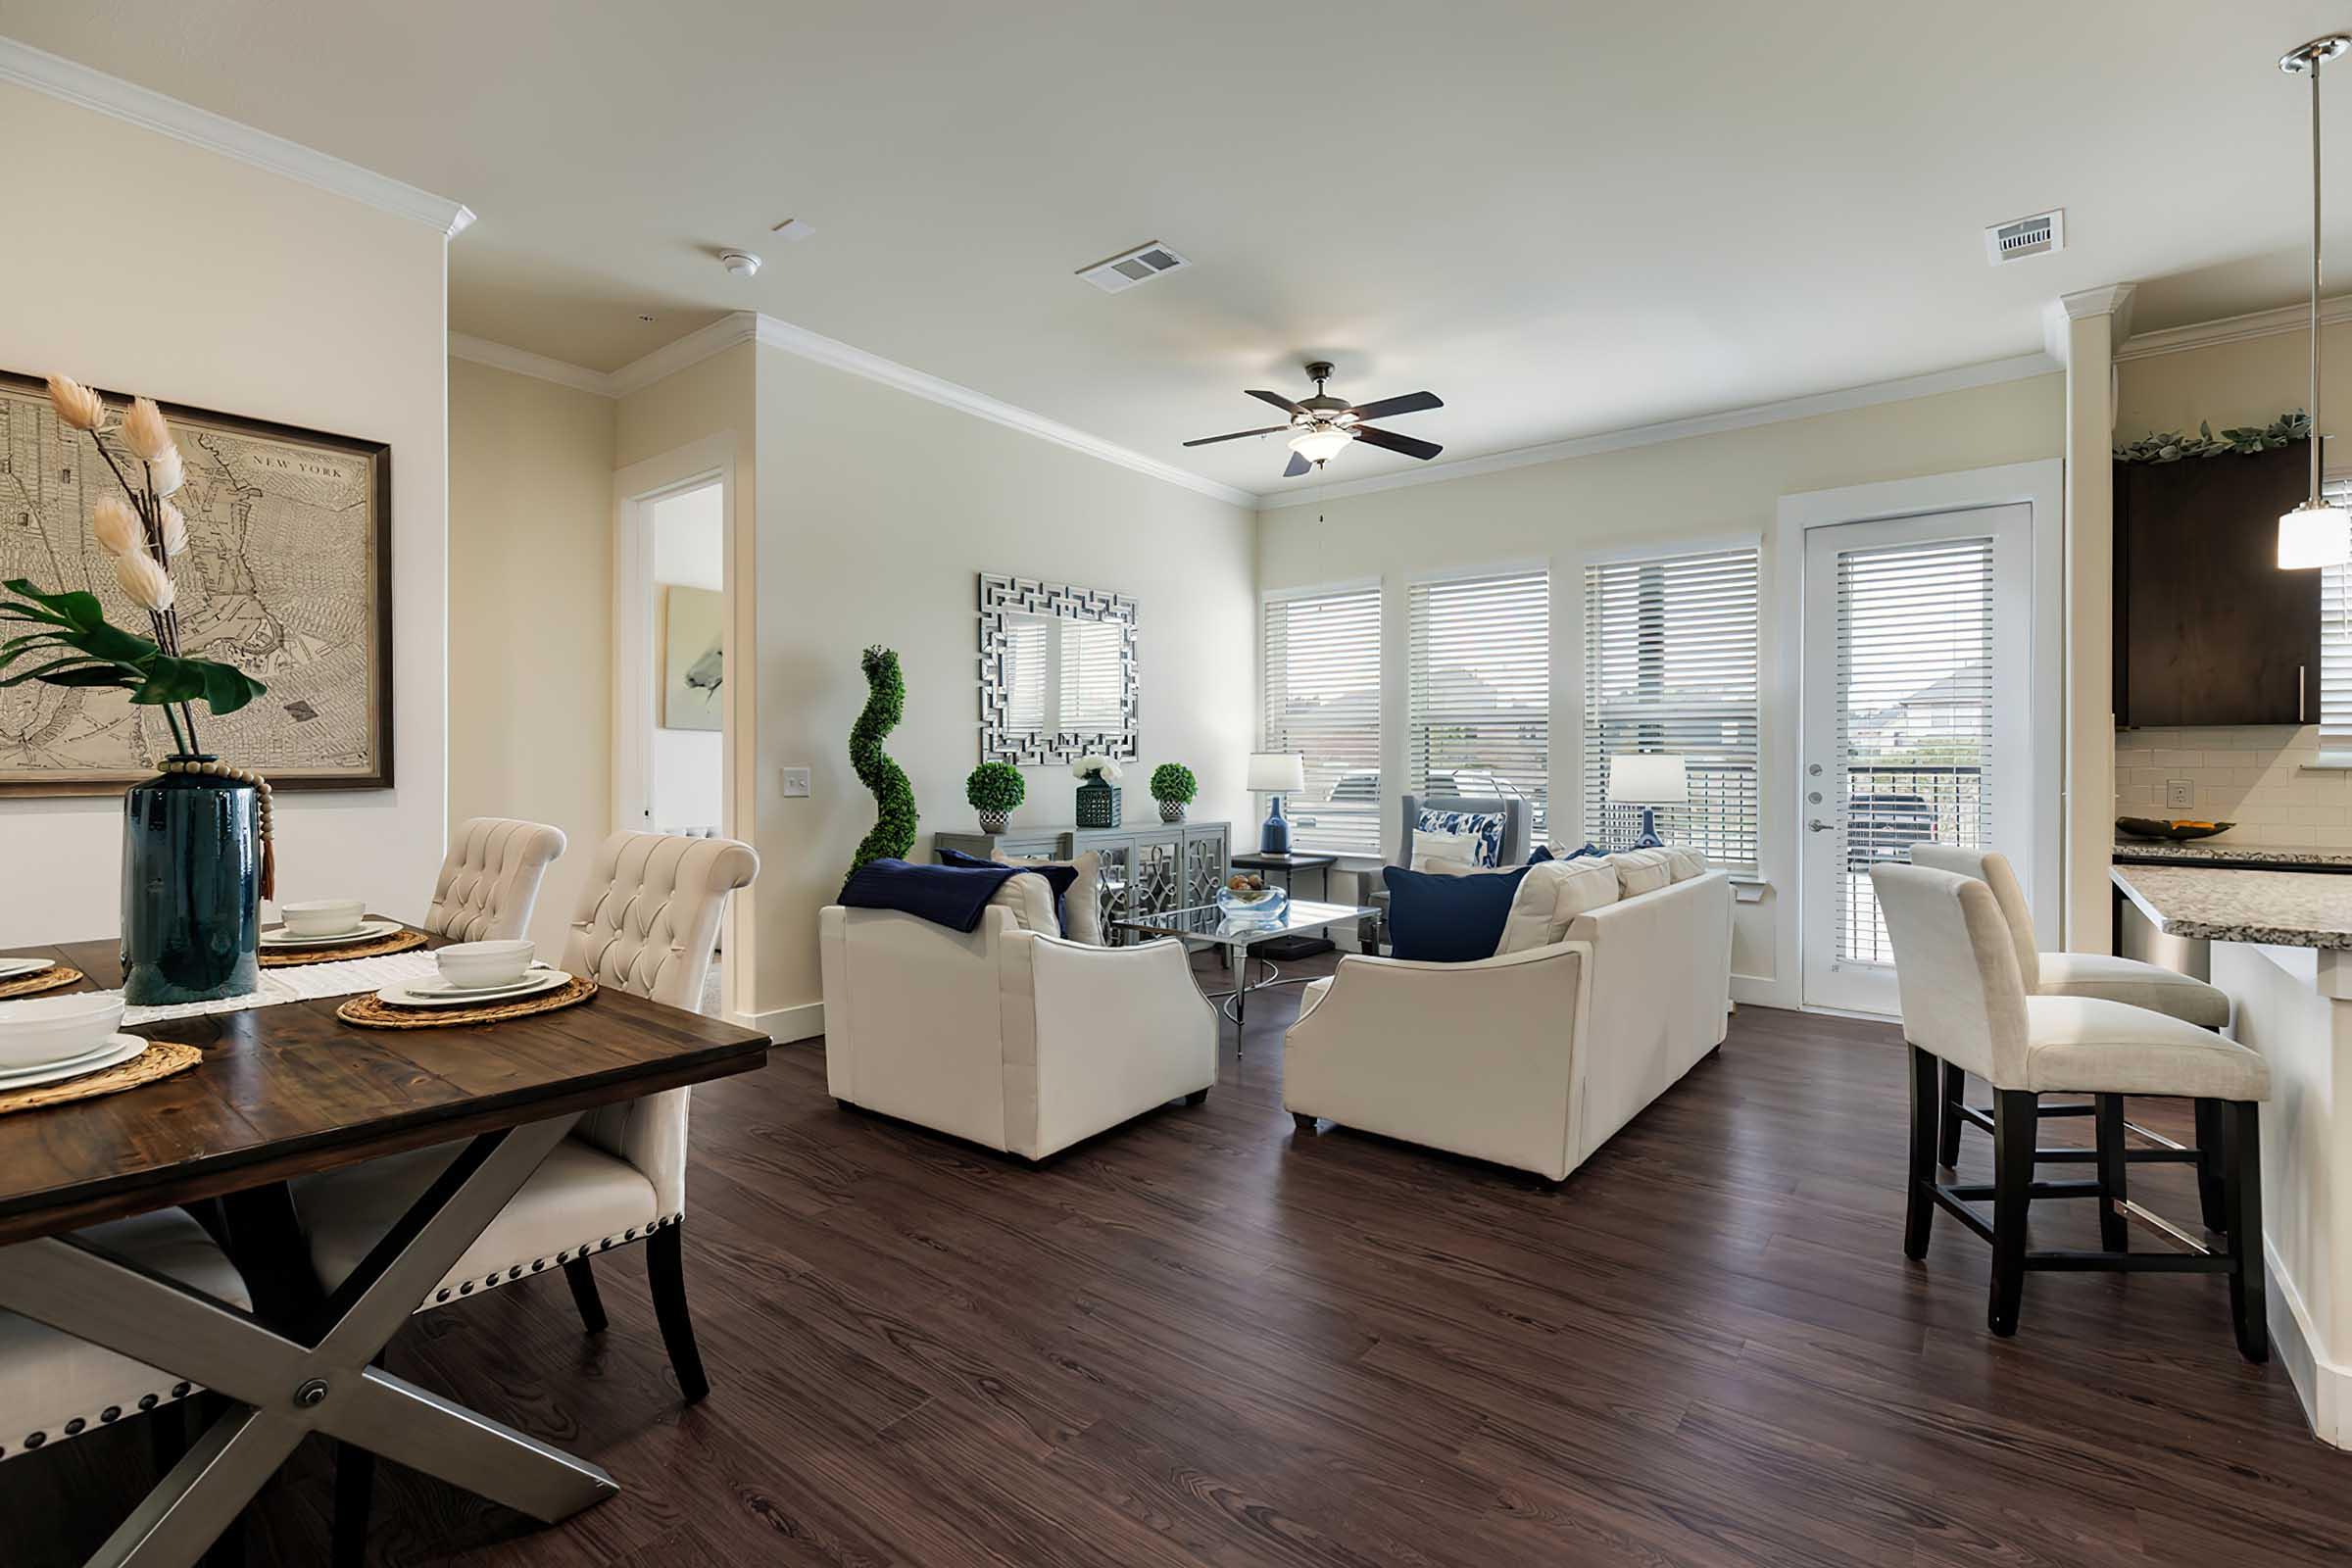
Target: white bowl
[478, 965]
[322, 917]
[40, 1030]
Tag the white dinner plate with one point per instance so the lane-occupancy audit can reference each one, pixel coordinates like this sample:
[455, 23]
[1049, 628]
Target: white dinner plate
[118, 1048]
[18, 969]
[434, 994]
[277, 936]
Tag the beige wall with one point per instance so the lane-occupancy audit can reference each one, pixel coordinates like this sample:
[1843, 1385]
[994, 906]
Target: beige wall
[878, 511]
[138, 261]
[1706, 488]
[530, 628]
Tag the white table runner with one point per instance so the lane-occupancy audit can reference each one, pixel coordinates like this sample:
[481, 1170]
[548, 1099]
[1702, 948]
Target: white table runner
[302, 983]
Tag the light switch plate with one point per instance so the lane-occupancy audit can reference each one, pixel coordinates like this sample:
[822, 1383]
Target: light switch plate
[795, 783]
[2179, 793]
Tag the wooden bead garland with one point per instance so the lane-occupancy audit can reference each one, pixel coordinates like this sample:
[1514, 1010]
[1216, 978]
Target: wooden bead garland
[264, 811]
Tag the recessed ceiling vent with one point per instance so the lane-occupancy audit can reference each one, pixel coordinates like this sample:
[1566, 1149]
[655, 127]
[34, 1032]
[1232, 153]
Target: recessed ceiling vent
[1129, 267]
[2026, 236]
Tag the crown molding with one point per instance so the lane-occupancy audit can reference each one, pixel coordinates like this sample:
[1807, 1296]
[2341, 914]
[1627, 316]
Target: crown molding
[2235, 329]
[522, 362]
[1990, 373]
[736, 326]
[77, 83]
[840, 355]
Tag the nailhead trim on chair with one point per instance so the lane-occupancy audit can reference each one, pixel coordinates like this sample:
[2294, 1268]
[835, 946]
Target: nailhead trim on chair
[78, 1425]
[569, 1255]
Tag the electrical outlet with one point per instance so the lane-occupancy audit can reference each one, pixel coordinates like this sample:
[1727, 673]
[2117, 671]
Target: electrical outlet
[795, 783]
[2179, 793]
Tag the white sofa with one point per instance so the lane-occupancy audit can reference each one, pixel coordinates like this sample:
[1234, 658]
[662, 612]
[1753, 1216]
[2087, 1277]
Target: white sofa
[1531, 1060]
[1011, 1038]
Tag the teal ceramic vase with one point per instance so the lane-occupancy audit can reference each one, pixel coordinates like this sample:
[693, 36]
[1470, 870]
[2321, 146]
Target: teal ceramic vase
[191, 888]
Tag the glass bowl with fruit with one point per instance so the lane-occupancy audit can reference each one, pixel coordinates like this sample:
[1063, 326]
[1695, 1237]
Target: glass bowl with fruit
[1247, 895]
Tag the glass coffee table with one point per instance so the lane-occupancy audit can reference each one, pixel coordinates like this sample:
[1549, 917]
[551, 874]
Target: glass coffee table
[1238, 934]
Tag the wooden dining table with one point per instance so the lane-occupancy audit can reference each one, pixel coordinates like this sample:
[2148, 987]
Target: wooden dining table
[284, 1090]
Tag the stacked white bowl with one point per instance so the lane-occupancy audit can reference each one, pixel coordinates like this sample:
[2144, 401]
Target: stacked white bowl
[37, 1031]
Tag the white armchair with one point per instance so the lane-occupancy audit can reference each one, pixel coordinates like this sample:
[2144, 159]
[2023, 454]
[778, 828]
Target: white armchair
[1531, 1060]
[1023, 1042]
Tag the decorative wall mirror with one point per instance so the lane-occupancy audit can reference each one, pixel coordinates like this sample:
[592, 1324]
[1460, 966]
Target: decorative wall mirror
[1058, 674]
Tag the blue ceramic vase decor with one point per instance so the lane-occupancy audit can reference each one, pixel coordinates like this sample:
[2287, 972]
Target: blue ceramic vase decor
[191, 887]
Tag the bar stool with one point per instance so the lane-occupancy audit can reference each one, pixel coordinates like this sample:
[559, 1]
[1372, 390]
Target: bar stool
[1965, 1003]
[2088, 974]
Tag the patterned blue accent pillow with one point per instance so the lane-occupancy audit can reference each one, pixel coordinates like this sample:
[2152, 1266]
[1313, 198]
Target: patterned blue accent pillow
[1488, 825]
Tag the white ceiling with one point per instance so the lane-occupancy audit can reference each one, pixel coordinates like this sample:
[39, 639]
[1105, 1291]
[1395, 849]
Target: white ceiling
[1563, 217]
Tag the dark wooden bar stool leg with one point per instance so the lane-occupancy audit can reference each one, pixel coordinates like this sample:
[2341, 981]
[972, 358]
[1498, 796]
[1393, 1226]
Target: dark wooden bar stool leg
[2241, 1144]
[1930, 1118]
[2211, 1164]
[2016, 1121]
[2115, 1228]
[1955, 1096]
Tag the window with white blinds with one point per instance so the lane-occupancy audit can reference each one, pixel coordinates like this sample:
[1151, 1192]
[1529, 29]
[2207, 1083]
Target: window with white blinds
[1093, 680]
[1322, 701]
[1670, 666]
[1915, 628]
[1479, 714]
[2336, 641]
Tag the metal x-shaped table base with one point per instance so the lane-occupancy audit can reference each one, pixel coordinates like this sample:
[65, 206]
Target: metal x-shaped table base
[284, 1387]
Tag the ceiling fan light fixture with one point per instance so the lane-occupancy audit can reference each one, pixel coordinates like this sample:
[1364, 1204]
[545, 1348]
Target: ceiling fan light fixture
[1319, 442]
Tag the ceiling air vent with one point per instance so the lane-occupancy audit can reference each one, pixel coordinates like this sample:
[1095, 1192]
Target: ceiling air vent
[1129, 267]
[2026, 236]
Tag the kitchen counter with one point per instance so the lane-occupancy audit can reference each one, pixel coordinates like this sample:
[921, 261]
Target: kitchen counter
[2205, 851]
[2283, 909]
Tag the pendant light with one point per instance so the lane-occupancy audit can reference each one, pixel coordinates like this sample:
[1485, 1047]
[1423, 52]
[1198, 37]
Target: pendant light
[2315, 534]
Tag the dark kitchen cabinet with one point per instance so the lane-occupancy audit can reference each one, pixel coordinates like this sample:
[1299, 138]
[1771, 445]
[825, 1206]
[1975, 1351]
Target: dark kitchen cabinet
[2208, 630]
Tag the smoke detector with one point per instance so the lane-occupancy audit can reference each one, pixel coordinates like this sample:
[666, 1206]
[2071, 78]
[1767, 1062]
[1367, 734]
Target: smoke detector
[742, 263]
[1129, 267]
[2021, 237]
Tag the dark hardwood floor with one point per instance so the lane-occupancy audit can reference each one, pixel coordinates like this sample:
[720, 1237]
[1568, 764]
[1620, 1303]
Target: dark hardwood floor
[1201, 1340]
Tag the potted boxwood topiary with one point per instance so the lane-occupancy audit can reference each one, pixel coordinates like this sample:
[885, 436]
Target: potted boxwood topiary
[1173, 787]
[995, 789]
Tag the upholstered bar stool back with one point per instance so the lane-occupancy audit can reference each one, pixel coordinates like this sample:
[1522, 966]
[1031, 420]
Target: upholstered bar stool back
[489, 882]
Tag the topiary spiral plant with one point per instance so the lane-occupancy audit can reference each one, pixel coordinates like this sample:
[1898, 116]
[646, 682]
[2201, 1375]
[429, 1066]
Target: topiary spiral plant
[894, 798]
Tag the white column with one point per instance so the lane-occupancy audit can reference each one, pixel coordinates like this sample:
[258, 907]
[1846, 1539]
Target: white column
[2083, 330]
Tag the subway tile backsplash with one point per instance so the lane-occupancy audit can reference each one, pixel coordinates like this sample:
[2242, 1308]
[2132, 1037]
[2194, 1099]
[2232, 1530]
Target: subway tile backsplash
[2260, 778]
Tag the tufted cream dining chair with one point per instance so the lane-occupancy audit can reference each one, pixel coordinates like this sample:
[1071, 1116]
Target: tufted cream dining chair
[489, 882]
[646, 923]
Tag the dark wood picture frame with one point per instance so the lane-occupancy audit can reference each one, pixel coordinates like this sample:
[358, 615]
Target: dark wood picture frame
[378, 455]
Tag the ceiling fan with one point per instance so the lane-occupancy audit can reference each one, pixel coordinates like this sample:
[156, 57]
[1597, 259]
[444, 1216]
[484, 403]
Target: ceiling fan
[1322, 425]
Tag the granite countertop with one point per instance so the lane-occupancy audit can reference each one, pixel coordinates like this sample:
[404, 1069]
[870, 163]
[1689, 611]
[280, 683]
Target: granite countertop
[2291, 908]
[2200, 851]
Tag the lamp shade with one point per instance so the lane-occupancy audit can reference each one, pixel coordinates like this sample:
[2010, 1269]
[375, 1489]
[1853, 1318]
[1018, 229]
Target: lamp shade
[2313, 535]
[1277, 774]
[1648, 778]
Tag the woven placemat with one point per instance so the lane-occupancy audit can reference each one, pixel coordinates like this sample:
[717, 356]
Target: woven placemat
[397, 941]
[40, 980]
[160, 1060]
[370, 1014]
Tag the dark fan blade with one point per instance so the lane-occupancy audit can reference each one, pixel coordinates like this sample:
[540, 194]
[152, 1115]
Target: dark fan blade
[1297, 465]
[1411, 403]
[1212, 440]
[1278, 399]
[1408, 445]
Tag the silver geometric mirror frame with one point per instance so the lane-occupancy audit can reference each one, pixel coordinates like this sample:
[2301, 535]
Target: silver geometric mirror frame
[1009, 731]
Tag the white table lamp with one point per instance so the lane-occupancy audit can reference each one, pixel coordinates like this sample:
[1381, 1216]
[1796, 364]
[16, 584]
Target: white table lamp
[1649, 780]
[1276, 773]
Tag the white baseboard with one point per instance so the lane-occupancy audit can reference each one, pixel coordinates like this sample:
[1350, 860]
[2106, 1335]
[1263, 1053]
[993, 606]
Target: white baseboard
[784, 1025]
[2324, 1386]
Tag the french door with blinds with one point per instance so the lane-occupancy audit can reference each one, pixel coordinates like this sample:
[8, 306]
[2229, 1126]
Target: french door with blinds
[1918, 720]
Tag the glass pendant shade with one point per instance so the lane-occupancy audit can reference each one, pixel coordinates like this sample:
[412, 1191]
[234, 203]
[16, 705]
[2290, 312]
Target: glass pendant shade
[2315, 534]
[1320, 442]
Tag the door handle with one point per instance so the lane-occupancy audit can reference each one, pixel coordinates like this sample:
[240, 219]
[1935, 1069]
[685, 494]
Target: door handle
[1817, 826]
[2302, 685]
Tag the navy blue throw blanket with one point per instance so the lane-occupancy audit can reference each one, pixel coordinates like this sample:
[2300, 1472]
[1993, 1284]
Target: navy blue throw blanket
[1058, 877]
[944, 895]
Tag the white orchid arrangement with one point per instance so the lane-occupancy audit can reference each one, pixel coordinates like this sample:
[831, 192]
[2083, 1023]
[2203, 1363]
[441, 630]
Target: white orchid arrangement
[70, 643]
[1092, 766]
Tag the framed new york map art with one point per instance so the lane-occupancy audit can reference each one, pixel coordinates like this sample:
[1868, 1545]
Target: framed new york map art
[287, 575]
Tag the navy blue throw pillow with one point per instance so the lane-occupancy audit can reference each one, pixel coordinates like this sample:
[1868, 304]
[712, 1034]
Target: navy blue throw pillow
[1436, 918]
[1058, 877]
[1544, 853]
